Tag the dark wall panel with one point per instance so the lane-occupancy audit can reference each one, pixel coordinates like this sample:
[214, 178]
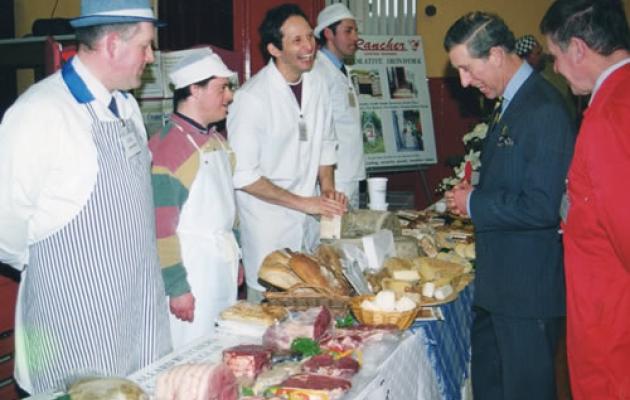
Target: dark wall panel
[193, 22]
[8, 81]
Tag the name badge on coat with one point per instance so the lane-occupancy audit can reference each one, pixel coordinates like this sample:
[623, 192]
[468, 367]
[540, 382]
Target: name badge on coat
[302, 129]
[129, 142]
[351, 100]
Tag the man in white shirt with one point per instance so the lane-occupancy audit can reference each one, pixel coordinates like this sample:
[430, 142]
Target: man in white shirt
[76, 209]
[337, 34]
[280, 128]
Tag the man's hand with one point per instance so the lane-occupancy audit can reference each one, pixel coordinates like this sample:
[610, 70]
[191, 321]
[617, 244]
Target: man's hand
[457, 198]
[322, 205]
[330, 203]
[183, 307]
[337, 196]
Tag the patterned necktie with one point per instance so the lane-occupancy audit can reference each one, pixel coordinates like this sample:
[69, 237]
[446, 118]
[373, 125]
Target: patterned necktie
[496, 112]
[344, 70]
[113, 107]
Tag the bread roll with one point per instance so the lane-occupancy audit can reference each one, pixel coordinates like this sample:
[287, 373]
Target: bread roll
[307, 270]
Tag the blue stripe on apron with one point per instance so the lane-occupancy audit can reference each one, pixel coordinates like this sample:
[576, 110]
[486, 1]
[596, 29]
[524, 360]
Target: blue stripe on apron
[93, 297]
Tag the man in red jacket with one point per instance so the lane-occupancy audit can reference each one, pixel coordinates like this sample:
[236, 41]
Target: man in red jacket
[590, 41]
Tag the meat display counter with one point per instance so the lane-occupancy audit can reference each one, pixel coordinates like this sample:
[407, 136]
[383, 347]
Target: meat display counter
[431, 361]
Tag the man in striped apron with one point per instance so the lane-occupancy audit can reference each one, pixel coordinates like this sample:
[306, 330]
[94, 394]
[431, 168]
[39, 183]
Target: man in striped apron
[76, 209]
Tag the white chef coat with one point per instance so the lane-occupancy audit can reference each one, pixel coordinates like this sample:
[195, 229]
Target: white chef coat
[47, 161]
[347, 121]
[263, 133]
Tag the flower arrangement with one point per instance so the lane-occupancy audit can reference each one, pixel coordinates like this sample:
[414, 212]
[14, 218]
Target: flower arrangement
[472, 143]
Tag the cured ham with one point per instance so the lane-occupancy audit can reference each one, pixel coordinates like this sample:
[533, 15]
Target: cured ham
[197, 382]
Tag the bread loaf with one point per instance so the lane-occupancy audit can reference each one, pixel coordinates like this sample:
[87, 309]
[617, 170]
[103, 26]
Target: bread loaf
[330, 258]
[264, 314]
[308, 270]
[106, 388]
[275, 270]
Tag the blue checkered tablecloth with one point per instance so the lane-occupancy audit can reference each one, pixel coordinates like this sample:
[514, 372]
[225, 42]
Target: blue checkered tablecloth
[448, 344]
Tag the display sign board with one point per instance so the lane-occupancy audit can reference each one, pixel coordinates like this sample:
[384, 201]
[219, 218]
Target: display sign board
[389, 76]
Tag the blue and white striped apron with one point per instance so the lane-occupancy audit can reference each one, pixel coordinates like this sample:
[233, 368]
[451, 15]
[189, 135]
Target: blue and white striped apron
[92, 300]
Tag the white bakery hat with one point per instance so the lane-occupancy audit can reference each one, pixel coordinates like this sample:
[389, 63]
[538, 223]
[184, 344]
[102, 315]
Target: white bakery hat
[200, 64]
[330, 15]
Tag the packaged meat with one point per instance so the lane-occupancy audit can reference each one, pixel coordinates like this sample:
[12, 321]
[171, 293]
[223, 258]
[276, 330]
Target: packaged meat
[275, 376]
[314, 387]
[325, 364]
[342, 343]
[247, 361]
[312, 324]
[197, 382]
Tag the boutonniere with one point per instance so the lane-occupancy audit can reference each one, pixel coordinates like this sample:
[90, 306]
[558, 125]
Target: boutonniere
[504, 138]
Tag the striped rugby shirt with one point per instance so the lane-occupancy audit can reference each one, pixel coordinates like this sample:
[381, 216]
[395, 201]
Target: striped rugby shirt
[175, 165]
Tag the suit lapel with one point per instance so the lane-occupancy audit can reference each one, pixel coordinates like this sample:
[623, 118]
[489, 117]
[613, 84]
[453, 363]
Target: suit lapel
[491, 141]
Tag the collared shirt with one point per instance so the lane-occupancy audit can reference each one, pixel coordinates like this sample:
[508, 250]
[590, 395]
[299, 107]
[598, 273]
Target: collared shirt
[515, 83]
[602, 77]
[48, 163]
[193, 123]
[333, 58]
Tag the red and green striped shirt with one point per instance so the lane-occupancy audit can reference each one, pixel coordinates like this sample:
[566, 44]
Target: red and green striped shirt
[175, 165]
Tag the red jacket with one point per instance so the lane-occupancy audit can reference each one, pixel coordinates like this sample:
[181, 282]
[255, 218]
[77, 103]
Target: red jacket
[597, 246]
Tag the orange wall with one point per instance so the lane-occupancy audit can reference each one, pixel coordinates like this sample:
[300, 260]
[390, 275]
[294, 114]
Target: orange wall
[27, 11]
[521, 16]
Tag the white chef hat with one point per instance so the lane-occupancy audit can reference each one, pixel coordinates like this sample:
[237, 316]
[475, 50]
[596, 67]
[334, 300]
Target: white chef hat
[330, 15]
[198, 65]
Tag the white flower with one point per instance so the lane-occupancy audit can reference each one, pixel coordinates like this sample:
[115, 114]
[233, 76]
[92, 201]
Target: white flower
[474, 158]
[478, 132]
[460, 169]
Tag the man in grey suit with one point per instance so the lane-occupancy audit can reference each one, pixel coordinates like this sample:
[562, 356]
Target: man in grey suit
[519, 287]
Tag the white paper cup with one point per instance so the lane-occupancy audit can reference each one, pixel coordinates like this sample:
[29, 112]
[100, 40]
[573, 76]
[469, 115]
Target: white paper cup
[377, 190]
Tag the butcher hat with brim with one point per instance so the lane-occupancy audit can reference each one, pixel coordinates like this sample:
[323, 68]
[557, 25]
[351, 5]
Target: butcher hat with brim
[107, 12]
[200, 64]
[331, 14]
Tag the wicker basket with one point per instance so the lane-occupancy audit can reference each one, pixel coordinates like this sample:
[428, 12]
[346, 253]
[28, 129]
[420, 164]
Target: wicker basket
[297, 298]
[402, 319]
